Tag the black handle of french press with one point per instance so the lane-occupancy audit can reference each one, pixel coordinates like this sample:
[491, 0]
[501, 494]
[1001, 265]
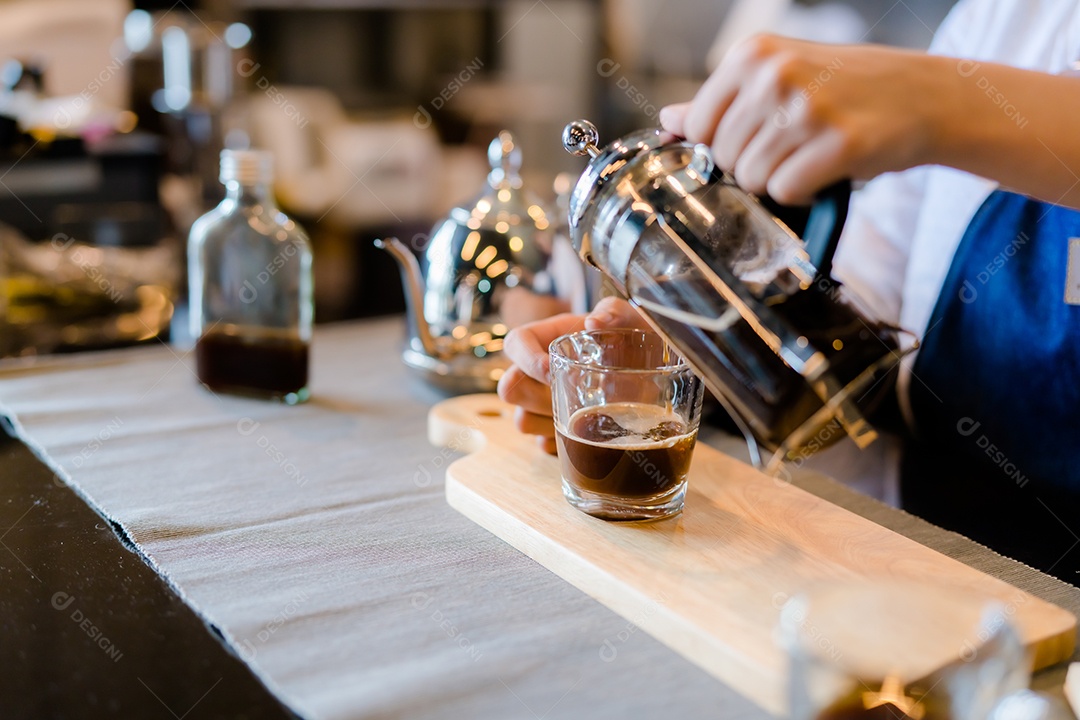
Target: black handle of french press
[825, 225]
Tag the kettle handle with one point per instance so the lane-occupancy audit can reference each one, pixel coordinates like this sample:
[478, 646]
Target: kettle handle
[825, 224]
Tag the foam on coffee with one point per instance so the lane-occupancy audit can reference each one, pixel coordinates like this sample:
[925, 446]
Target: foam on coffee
[627, 426]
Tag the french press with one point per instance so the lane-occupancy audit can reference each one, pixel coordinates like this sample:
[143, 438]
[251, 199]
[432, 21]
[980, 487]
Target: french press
[753, 308]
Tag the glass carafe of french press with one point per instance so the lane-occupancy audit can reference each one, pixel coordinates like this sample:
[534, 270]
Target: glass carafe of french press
[753, 308]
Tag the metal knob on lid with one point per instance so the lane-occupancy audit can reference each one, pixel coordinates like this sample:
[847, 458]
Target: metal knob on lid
[581, 138]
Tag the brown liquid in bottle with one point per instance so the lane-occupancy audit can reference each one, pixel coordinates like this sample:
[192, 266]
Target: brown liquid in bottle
[271, 367]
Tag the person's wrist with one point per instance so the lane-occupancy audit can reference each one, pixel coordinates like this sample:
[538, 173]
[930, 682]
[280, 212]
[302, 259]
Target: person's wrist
[951, 126]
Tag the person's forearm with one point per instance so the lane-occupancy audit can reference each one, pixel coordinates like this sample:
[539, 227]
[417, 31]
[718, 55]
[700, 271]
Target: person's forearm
[1018, 127]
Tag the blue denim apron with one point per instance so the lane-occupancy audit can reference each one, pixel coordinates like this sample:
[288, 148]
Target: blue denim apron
[995, 391]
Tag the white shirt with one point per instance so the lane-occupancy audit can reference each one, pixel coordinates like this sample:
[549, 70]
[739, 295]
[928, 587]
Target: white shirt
[904, 228]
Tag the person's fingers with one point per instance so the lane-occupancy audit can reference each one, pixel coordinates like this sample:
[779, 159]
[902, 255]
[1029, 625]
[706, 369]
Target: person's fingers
[720, 89]
[770, 147]
[708, 107]
[613, 312]
[517, 388]
[812, 167]
[527, 346]
[548, 445]
[673, 118]
[750, 112]
[533, 423]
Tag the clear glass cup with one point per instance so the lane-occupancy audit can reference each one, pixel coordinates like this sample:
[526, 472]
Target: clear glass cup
[899, 651]
[626, 410]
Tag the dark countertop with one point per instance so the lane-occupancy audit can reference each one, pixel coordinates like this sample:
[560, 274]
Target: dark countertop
[88, 629]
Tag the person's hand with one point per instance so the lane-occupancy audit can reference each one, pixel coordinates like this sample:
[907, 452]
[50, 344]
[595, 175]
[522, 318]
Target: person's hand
[527, 383]
[790, 117]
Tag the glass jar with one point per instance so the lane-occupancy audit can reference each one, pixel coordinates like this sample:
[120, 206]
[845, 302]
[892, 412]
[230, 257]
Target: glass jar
[250, 286]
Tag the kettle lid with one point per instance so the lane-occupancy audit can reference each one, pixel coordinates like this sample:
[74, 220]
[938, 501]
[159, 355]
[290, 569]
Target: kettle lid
[503, 205]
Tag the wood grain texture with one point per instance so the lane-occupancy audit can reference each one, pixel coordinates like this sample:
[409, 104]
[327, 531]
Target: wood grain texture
[710, 582]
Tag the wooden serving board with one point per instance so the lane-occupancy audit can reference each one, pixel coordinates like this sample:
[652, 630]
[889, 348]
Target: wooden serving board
[710, 582]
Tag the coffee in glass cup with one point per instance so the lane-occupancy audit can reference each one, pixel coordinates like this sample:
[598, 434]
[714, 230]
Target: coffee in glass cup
[626, 413]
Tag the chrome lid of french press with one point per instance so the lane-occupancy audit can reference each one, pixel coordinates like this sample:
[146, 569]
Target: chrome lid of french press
[636, 180]
[581, 137]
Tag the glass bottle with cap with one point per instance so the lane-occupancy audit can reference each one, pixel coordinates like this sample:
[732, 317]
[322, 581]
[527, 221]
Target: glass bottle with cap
[250, 285]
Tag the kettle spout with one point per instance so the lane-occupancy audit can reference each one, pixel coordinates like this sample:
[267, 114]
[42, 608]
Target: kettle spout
[413, 282]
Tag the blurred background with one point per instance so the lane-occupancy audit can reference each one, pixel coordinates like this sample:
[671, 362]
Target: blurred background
[379, 113]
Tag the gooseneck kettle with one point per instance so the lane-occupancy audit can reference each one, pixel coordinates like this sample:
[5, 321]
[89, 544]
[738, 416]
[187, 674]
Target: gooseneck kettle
[475, 276]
